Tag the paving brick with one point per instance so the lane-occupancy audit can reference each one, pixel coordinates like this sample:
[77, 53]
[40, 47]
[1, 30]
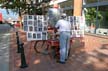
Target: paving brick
[91, 57]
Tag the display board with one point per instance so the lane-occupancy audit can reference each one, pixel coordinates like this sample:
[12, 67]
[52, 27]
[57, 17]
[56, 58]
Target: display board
[77, 26]
[35, 27]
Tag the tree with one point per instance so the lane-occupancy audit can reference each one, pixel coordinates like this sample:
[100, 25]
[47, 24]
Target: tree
[91, 16]
[22, 6]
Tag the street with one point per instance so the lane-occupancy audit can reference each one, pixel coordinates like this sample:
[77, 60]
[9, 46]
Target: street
[4, 47]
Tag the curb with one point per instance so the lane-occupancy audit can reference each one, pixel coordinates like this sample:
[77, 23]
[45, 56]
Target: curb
[95, 35]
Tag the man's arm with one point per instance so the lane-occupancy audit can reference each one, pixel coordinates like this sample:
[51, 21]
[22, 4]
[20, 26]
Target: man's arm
[56, 27]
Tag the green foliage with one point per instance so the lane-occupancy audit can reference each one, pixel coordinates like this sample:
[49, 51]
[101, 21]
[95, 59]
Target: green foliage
[20, 6]
[14, 5]
[106, 15]
[91, 15]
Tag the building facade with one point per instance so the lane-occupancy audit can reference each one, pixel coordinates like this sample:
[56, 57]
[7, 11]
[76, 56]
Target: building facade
[100, 11]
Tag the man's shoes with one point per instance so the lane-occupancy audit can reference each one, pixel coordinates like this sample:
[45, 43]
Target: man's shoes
[60, 62]
[65, 59]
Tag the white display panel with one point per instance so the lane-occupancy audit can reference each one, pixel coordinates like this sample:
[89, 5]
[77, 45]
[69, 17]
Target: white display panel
[77, 28]
[35, 27]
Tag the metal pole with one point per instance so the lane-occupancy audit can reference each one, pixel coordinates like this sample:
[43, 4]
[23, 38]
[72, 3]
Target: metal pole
[97, 8]
[18, 42]
[23, 60]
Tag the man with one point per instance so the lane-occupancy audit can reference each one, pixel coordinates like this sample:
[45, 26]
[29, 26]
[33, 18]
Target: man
[64, 28]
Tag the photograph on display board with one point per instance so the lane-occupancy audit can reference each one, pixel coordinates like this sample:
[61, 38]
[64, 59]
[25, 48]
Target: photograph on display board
[30, 22]
[34, 35]
[44, 35]
[35, 17]
[45, 23]
[25, 18]
[78, 26]
[45, 18]
[39, 29]
[29, 35]
[77, 18]
[30, 17]
[78, 22]
[73, 33]
[35, 29]
[42, 18]
[38, 21]
[81, 19]
[74, 18]
[30, 28]
[74, 26]
[40, 24]
[68, 18]
[71, 19]
[78, 32]
[45, 28]
[35, 23]
[39, 36]
[25, 23]
[25, 28]
[39, 17]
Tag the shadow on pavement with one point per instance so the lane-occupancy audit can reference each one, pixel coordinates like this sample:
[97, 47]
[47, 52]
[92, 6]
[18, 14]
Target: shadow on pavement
[79, 58]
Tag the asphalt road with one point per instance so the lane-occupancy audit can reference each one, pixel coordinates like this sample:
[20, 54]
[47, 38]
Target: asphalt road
[4, 47]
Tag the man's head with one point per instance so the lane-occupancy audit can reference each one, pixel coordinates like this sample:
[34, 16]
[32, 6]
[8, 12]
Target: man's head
[63, 16]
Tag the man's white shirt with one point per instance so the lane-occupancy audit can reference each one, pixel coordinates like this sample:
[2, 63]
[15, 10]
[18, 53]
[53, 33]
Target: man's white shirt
[63, 25]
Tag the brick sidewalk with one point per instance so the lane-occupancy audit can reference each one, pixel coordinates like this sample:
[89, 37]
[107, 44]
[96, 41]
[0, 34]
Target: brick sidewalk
[92, 57]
